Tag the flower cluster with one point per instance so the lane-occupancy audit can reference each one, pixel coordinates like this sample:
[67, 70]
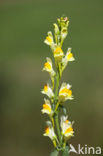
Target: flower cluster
[58, 131]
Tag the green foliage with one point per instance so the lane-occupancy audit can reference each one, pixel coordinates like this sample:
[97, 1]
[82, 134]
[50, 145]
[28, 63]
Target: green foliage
[66, 151]
[54, 153]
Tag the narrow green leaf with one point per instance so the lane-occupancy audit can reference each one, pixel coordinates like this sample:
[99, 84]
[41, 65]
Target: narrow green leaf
[54, 153]
[64, 111]
[66, 151]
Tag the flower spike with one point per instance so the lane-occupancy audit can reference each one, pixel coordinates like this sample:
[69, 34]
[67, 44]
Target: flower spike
[58, 132]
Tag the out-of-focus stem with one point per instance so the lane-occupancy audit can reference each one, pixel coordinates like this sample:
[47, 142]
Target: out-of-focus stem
[57, 105]
[54, 143]
[52, 79]
[52, 121]
[61, 43]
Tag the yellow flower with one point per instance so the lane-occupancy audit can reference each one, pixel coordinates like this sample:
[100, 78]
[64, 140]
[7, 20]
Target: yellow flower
[48, 67]
[49, 40]
[65, 92]
[48, 91]
[47, 107]
[68, 57]
[49, 131]
[66, 126]
[58, 53]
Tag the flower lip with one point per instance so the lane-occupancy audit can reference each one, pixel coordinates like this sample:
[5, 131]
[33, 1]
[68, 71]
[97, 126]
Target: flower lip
[48, 91]
[58, 50]
[68, 130]
[46, 88]
[67, 121]
[49, 39]
[47, 107]
[47, 65]
[65, 92]
[70, 55]
[58, 53]
[49, 131]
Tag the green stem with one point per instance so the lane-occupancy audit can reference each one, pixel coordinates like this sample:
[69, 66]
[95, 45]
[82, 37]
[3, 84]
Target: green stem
[52, 79]
[57, 85]
[57, 105]
[58, 128]
[56, 113]
[52, 121]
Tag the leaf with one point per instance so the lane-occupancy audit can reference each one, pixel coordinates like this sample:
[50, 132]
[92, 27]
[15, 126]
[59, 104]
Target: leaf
[66, 151]
[64, 111]
[54, 153]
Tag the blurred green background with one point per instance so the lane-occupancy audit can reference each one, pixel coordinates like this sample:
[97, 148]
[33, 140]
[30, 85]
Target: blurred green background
[23, 28]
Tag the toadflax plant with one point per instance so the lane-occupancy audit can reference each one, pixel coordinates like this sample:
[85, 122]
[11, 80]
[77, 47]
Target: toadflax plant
[59, 129]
